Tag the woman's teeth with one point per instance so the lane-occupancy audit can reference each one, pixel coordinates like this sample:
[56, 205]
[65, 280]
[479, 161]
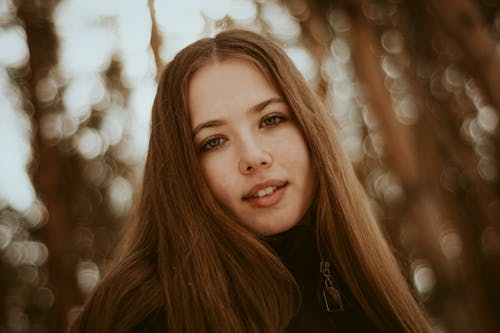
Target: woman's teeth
[265, 191]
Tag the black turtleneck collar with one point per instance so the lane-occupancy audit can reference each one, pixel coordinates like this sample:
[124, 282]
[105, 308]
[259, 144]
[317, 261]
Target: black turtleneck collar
[297, 248]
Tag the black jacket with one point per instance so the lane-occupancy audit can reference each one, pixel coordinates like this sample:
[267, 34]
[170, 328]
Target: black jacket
[297, 249]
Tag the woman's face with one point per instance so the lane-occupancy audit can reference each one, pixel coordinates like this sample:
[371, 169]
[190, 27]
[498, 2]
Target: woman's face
[251, 151]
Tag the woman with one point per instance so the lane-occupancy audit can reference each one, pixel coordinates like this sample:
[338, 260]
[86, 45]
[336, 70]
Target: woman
[251, 218]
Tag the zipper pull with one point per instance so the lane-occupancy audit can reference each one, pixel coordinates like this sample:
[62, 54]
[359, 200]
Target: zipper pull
[331, 295]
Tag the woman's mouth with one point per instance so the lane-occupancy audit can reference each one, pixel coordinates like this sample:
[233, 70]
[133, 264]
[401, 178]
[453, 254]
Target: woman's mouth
[265, 191]
[267, 196]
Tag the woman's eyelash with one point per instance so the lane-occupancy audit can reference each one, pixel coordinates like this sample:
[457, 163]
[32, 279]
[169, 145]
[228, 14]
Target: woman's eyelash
[272, 120]
[211, 143]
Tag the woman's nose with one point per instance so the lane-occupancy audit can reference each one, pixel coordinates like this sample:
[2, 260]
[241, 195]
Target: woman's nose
[253, 157]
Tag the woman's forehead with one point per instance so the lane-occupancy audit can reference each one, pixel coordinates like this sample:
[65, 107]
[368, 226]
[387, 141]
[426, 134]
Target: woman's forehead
[221, 86]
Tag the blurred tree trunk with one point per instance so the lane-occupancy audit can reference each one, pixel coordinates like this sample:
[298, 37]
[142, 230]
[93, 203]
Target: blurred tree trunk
[53, 170]
[156, 41]
[432, 152]
[463, 21]
[468, 203]
[422, 208]
[6, 281]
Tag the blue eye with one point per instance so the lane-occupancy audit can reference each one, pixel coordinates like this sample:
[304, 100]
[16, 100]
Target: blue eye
[272, 120]
[212, 143]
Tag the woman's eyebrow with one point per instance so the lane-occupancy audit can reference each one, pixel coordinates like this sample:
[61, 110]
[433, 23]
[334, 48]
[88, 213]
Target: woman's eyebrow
[262, 105]
[208, 124]
[253, 109]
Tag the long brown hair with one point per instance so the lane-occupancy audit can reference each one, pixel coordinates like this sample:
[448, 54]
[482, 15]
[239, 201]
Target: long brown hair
[188, 259]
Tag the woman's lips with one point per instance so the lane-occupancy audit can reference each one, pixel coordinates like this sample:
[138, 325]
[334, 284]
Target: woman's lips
[268, 200]
[263, 185]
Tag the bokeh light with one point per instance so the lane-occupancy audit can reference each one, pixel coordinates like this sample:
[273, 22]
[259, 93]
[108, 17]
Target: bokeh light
[13, 45]
[15, 150]
[88, 275]
[424, 278]
[451, 244]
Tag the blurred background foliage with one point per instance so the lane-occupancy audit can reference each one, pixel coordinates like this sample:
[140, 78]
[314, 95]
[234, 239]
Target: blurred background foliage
[413, 85]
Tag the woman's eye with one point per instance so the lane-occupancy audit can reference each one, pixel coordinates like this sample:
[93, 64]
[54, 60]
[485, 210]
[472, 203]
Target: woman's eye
[212, 144]
[272, 120]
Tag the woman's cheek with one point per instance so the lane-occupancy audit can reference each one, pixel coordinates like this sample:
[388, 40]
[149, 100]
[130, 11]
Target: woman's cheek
[218, 174]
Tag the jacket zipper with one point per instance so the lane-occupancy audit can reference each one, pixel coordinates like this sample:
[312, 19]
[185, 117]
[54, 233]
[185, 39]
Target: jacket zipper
[331, 295]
